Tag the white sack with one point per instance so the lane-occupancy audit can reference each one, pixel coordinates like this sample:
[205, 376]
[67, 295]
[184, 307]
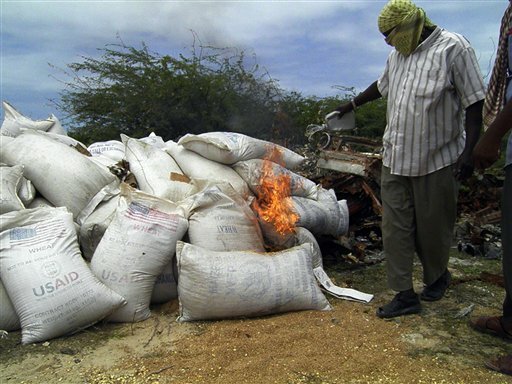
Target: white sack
[113, 149]
[218, 285]
[50, 285]
[303, 236]
[9, 320]
[10, 179]
[198, 167]
[166, 284]
[14, 121]
[273, 239]
[221, 220]
[298, 236]
[64, 139]
[5, 139]
[154, 140]
[136, 247]
[154, 169]
[324, 216]
[57, 126]
[40, 202]
[60, 174]
[94, 226]
[345, 217]
[104, 161]
[231, 147]
[26, 191]
[252, 171]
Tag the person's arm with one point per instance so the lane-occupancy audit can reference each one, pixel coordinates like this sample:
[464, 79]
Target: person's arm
[464, 165]
[369, 94]
[487, 150]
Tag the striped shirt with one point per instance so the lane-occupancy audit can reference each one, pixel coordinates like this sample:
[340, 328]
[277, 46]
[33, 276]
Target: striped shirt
[427, 93]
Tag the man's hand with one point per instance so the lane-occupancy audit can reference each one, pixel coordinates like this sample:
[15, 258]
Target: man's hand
[486, 152]
[369, 94]
[344, 108]
[464, 166]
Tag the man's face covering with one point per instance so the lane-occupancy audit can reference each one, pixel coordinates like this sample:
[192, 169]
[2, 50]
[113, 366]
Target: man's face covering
[402, 23]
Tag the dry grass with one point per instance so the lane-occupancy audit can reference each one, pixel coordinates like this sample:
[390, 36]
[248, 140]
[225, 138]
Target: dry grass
[346, 345]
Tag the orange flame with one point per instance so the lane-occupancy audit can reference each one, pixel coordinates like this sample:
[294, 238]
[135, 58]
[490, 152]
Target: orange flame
[271, 202]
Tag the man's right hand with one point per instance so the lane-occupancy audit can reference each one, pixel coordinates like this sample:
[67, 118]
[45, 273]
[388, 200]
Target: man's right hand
[343, 109]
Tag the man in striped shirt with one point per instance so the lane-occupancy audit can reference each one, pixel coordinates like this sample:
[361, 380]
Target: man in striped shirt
[435, 93]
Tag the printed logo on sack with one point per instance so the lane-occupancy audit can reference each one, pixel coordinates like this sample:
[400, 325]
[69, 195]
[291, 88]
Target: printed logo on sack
[22, 233]
[139, 208]
[55, 284]
[116, 277]
[51, 269]
[165, 278]
[233, 137]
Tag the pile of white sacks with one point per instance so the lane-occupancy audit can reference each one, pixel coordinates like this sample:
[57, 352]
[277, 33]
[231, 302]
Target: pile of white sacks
[79, 245]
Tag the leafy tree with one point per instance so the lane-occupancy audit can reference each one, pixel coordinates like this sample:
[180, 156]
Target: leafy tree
[297, 112]
[371, 119]
[294, 113]
[136, 92]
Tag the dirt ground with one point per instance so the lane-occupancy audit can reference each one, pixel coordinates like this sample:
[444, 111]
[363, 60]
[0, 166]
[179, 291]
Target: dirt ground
[346, 345]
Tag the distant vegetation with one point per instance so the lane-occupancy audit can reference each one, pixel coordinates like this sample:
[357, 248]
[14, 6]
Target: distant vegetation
[136, 91]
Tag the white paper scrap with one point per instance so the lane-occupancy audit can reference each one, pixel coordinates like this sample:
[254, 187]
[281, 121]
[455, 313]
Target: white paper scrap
[340, 293]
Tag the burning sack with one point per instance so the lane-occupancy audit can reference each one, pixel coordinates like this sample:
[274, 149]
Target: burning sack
[280, 212]
[253, 171]
[298, 236]
[50, 285]
[272, 204]
[218, 285]
[231, 147]
[136, 247]
[324, 216]
[220, 220]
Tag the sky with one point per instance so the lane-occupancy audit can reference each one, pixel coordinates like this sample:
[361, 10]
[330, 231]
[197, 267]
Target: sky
[312, 47]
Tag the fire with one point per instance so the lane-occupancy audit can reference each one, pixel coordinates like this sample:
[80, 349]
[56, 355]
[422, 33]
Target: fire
[272, 204]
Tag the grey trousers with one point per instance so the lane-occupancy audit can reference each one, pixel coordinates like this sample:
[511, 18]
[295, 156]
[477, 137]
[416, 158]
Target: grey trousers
[506, 240]
[419, 215]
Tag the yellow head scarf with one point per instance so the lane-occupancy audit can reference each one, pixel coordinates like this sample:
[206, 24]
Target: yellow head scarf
[403, 22]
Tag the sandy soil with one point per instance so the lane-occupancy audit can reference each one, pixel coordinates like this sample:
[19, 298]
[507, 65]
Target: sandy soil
[346, 345]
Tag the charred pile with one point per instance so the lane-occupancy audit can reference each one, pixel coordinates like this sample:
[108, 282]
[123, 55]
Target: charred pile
[351, 167]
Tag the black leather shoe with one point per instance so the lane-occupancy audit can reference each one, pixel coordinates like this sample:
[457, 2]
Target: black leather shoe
[404, 303]
[437, 289]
